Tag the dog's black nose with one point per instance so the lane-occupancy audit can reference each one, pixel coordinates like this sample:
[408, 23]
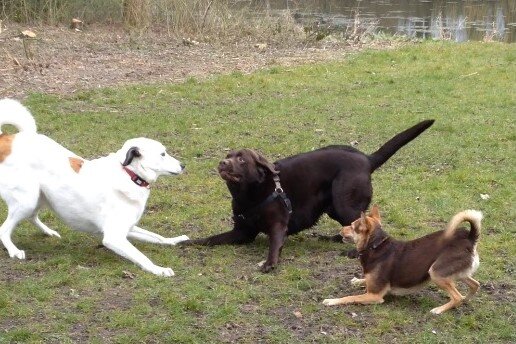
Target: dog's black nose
[183, 166]
[224, 162]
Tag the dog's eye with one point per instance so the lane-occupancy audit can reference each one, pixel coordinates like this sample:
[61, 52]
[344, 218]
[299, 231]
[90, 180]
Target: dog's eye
[240, 159]
[163, 154]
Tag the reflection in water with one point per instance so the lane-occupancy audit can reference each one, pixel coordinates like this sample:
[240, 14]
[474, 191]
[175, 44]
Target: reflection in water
[459, 20]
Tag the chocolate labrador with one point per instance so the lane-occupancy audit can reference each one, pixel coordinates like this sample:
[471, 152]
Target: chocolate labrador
[290, 195]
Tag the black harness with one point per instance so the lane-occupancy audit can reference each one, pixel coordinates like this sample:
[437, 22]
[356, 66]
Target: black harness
[253, 214]
[373, 246]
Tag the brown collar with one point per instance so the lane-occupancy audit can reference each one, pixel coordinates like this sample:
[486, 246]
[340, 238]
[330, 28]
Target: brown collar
[136, 179]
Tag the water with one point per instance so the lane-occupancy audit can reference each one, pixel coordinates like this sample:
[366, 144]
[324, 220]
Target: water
[459, 20]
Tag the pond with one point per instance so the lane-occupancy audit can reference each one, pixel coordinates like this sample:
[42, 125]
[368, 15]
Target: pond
[459, 20]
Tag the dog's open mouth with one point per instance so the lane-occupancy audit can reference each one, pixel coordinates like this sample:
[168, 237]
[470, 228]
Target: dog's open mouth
[346, 233]
[347, 240]
[228, 176]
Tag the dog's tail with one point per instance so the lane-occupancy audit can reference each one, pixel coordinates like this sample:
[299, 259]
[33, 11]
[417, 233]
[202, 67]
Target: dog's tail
[393, 145]
[14, 113]
[474, 217]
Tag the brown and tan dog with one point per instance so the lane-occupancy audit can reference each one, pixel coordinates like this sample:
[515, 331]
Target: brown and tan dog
[397, 267]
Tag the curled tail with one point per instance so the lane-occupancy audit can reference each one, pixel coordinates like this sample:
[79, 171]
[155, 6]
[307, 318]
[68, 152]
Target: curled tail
[393, 145]
[14, 113]
[474, 217]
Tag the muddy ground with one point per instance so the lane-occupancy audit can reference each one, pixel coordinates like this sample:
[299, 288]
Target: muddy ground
[63, 61]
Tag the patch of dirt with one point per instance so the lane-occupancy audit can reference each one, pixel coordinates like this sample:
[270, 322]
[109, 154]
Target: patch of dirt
[314, 325]
[61, 61]
[501, 292]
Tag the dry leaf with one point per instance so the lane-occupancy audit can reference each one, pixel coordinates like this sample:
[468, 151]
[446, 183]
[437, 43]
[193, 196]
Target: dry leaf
[127, 274]
[27, 34]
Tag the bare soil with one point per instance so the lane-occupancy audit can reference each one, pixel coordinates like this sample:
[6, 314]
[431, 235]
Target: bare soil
[62, 61]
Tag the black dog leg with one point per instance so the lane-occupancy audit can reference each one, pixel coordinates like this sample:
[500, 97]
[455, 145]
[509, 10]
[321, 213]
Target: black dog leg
[228, 238]
[276, 240]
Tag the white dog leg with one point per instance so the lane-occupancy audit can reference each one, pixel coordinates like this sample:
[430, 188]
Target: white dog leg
[148, 236]
[124, 248]
[5, 236]
[21, 205]
[37, 222]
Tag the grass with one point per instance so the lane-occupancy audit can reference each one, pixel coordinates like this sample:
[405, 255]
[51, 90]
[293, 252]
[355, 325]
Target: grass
[69, 290]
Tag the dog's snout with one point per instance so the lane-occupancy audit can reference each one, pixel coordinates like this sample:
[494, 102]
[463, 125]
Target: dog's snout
[183, 166]
[224, 162]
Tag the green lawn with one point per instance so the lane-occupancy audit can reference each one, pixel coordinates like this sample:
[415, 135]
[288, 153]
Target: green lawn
[69, 290]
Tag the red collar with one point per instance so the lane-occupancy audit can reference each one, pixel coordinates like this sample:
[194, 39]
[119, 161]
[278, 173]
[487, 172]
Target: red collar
[135, 178]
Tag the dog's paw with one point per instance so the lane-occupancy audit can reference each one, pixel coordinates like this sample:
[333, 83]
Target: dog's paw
[357, 282]
[437, 310]
[17, 254]
[176, 240]
[332, 238]
[186, 243]
[165, 272]
[442, 309]
[330, 302]
[266, 267]
[53, 233]
[352, 254]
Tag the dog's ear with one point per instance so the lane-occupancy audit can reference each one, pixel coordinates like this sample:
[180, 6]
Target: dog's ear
[363, 218]
[263, 162]
[375, 213]
[365, 223]
[130, 155]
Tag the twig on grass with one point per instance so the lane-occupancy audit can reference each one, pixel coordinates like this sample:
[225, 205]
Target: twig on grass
[470, 74]
[205, 15]
[14, 59]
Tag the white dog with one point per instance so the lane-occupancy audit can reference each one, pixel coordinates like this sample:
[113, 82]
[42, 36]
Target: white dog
[104, 196]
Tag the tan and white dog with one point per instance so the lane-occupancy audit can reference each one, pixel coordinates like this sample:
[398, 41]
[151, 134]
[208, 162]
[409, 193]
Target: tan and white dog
[104, 196]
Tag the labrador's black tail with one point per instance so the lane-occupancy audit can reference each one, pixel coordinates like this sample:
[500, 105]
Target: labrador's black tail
[393, 145]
